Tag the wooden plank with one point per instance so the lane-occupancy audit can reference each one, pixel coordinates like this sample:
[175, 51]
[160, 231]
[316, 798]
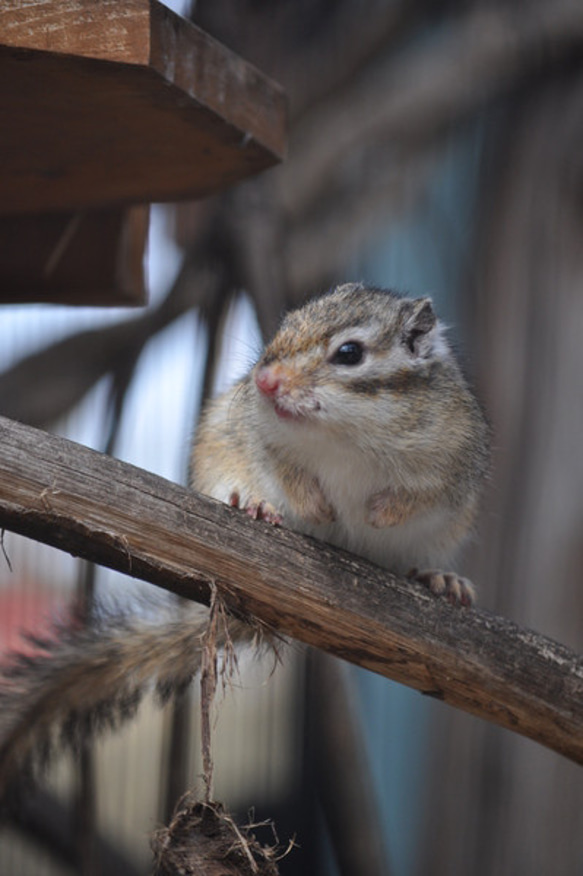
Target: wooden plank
[120, 516]
[123, 102]
[85, 258]
[112, 30]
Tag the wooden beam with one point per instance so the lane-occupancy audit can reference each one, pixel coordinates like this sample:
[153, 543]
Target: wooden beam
[121, 102]
[120, 516]
[93, 257]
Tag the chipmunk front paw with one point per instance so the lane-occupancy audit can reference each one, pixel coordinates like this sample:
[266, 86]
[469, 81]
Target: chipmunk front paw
[306, 497]
[385, 509]
[258, 509]
[455, 588]
[318, 510]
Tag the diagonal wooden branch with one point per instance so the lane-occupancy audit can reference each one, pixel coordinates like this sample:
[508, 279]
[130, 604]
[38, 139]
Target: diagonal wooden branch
[123, 517]
[317, 69]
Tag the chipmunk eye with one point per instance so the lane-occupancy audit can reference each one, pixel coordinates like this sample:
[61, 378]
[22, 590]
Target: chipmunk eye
[349, 353]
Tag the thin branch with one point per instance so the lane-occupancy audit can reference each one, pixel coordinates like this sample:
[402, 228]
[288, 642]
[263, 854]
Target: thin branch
[4, 551]
[208, 688]
[120, 516]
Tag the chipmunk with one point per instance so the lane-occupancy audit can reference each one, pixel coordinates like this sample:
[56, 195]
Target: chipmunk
[356, 426]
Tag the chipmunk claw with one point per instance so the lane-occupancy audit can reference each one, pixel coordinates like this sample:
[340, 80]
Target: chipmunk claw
[257, 509]
[453, 587]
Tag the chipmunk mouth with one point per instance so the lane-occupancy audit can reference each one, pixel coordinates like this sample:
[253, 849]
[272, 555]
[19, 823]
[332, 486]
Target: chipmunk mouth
[284, 413]
[288, 409]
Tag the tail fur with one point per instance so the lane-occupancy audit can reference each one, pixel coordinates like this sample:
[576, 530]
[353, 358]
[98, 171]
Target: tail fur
[90, 679]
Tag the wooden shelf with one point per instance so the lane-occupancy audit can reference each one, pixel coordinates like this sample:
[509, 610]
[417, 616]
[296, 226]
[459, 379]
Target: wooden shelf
[122, 101]
[108, 104]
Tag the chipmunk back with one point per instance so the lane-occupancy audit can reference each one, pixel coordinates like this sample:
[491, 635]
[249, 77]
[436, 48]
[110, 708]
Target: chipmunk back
[357, 426]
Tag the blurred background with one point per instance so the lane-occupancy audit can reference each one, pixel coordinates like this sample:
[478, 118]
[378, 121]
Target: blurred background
[436, 148]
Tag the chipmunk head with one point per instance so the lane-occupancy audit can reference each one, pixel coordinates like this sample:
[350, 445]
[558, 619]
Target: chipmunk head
[348, 344]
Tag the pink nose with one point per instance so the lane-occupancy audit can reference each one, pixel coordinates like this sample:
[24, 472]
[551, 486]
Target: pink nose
[266, 381]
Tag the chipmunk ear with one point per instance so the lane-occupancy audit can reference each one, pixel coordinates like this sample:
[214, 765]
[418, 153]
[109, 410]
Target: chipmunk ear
[418, 324]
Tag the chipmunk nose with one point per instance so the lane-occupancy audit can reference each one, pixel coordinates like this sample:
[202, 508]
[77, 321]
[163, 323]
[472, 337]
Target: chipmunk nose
[267, 381]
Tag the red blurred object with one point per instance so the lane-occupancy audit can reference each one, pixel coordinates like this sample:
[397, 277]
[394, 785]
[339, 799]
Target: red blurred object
[26, 609]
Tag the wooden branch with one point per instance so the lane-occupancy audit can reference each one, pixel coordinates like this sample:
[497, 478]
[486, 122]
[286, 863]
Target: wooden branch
[120, 516]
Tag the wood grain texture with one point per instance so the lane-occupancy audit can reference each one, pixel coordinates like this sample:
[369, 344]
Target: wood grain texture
[125, 102]
[123, 517]
[112, 30]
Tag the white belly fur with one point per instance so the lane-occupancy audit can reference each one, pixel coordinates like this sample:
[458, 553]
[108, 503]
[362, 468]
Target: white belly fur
[348, 482]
